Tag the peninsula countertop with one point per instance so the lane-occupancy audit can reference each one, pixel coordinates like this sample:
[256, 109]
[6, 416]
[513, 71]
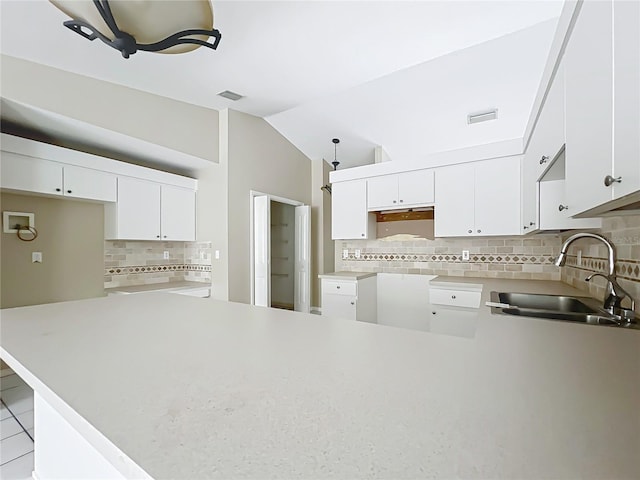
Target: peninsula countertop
[235, 391]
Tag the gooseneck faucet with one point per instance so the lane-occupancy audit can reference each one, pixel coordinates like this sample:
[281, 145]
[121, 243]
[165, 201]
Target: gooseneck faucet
[615, 293]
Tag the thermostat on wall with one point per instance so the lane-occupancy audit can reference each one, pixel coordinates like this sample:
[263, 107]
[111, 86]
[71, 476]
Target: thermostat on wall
[12, 220]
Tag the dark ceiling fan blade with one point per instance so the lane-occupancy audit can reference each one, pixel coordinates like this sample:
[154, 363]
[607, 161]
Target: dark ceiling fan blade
[177, 39]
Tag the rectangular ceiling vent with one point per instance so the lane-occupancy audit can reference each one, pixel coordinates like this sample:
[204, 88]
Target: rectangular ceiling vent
[231, 95]
[482, 116]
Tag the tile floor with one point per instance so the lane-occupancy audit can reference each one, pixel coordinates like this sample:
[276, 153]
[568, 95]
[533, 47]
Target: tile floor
[16, 427]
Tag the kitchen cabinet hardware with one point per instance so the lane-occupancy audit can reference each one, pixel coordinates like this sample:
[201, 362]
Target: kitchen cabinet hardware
[525, 227]
[69, 191]
[609, 180]
[479, 231]
[544, 159]
[469, 231]
[531, 224]
[58, 189]
[562, 207]
[453, 296]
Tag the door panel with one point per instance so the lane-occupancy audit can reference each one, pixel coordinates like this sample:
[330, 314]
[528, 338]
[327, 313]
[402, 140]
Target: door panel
[302, 267]
[454, 212]
[262, 251]
[178, 206]
[138, 209]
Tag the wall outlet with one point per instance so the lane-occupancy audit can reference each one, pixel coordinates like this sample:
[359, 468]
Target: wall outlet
[579, 258]
[166, 255]
[217, 254]
[465, 255]
[357, 253]
[345, 253]
[36, 257]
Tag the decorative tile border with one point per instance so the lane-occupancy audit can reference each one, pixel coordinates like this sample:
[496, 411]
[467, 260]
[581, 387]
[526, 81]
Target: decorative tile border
[627, 269]
[142, 269]
[452, 258]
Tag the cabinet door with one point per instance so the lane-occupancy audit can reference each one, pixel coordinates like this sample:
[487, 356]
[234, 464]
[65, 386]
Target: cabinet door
[349, 216]
[339, 306]
[91, 184]
[382, 192]
[626, 34]
[589, 104]
[552, 196]
[178, 213]
[138, 209]
[454, 205]
[497, 197]
[530, 212]
[29, 174]
[416, 188]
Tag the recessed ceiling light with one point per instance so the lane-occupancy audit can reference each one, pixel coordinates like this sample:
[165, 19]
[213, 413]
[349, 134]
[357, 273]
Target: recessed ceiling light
[482, 116]
[231, 95]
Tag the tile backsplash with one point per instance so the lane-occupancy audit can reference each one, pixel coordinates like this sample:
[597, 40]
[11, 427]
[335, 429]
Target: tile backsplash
[624, 232]
[130, 263]
[499, 257]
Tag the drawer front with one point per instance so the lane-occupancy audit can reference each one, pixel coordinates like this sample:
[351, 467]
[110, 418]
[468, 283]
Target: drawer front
[339, 288]
[456, 298]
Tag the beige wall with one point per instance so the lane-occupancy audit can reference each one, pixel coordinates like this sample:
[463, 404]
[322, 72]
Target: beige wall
[170, 123]
[71, 239]
[259, 159]
[322, 245]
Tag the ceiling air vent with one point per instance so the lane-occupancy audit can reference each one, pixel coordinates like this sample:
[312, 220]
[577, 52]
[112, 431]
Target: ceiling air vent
[231, 95]
[482, 116]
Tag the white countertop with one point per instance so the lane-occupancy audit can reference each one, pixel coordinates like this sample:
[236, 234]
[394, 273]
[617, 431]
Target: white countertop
[347, 275]
[235, 391]
[157, 287]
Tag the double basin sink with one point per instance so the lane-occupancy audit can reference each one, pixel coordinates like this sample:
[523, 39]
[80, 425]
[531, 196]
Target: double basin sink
[554, 307]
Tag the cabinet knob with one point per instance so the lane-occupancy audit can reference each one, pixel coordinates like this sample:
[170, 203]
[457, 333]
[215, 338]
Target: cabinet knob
[157, 236]
[609, 180]
[353, 303]
[401, 201]
[469, 231]
[479, 231]
[58, 189]
[394, 201]
[453, 296]
[362, 234]
[562, 207]
[68, 191]
[433, 313]
[338, 287]
[525, 227]
[531, 224]
[544, 159]
[165, 236]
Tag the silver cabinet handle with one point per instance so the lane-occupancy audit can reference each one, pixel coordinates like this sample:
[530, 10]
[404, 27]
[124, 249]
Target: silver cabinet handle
[362, 234]
[338, 287]
[453, 296]
[544, 159]
[401, 201]
[353, 303]
[562, 207]
[394, 201]
[609, 180]
[524, 227]
[469, 231]
[531, 224]
[479, 231]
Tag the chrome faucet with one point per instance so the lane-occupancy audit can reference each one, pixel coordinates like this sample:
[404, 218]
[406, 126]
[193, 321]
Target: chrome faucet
[615, 293]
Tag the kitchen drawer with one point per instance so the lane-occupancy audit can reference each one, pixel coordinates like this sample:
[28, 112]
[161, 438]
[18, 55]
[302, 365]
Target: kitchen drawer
[339, 288]
[456, 298]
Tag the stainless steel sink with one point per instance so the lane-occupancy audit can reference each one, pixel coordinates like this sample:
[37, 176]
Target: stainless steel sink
[555, 307]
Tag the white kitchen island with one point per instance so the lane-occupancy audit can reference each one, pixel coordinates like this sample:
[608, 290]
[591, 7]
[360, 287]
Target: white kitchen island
[167, 386]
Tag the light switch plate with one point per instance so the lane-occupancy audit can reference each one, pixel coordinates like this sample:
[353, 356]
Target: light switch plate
[465, 255]
[166, 255]
[36, 257]
[217, 254]
[345, 253]
[357, 253]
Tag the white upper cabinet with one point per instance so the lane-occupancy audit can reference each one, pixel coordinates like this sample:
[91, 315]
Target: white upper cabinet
[546, 141]
[177, 213]
[349, 216]
[555, 211]
[37, 175]
[80, 182]
[150, 211]
[603, 104]
[402, 190]
[29, 174]
[478, 199]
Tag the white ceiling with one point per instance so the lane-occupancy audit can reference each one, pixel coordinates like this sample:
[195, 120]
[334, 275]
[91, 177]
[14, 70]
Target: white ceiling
[316, 69]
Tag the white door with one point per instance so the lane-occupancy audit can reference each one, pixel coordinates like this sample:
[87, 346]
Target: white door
[80, 182]
[454, 212]
[178, 207]
[262, 251]
[302, 267]
[138, 209]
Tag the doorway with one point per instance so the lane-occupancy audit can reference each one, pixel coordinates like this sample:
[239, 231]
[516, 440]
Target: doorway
[281, 251]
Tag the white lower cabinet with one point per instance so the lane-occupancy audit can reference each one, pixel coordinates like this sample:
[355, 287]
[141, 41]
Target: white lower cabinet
[150, 211]
[351, 298]
[454, 308]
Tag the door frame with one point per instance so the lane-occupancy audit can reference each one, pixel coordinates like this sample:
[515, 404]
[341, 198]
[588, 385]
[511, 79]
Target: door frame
[252, 195]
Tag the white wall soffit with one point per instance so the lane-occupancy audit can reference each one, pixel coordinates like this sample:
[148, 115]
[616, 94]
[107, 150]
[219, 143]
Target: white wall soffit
[422, 110]
[98, 140]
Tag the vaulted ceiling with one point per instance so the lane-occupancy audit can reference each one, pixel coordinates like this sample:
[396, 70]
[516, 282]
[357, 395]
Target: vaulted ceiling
[403, 75]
